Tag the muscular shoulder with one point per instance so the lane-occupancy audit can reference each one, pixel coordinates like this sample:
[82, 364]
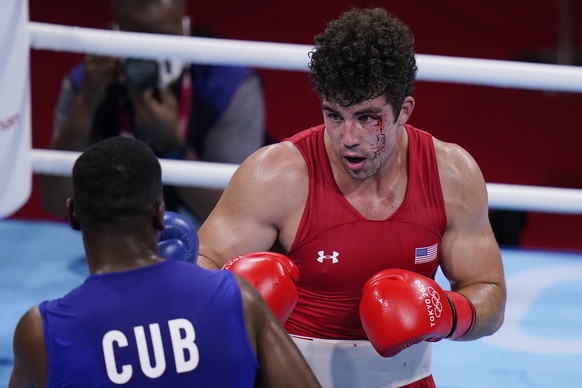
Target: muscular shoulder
[279, 166]
[462, 182]
[274, 180]
[30, 366]
[454, 162]
[30, 328]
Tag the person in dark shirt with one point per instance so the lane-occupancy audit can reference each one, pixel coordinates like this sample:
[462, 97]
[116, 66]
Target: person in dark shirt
[183, 111]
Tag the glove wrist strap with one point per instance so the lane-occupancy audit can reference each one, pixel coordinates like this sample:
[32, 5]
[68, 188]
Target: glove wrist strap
[464, 315]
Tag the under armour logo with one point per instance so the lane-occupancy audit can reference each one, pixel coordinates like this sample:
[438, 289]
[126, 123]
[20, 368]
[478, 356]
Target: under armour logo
[332, 257]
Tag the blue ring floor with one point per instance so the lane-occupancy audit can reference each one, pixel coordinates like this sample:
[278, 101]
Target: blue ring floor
[540, 344]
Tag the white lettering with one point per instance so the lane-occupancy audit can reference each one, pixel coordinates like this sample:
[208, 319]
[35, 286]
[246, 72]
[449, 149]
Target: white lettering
[182, 345]
[107, 343]
[158, 350]
[182, 336]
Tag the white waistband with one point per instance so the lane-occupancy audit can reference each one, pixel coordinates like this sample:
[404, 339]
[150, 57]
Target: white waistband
[346, 363]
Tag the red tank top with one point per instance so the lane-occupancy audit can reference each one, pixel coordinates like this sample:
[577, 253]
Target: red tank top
[337, 250]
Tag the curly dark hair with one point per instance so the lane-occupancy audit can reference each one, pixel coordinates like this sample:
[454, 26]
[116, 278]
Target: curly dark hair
[362, 55]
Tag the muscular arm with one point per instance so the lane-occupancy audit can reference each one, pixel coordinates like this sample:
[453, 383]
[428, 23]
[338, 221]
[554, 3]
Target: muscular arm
[30, 363]
[470, 256]
[261, 204]
[280, 361]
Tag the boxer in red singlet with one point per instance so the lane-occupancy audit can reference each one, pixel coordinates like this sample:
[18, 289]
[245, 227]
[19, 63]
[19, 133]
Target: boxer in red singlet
[367, 207]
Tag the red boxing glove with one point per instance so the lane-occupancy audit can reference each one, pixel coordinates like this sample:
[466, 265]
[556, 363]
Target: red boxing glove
[273, 275]
[400, 308]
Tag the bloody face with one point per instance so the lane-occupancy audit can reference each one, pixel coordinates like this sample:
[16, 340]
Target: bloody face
[363, 135]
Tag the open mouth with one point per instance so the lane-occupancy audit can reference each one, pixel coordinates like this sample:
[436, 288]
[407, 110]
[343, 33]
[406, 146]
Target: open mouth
[354, 162]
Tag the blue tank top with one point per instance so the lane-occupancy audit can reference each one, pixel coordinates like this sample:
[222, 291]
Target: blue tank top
[171, 324]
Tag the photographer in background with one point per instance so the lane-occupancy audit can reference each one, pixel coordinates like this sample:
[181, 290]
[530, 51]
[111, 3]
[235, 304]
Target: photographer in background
[190, 112]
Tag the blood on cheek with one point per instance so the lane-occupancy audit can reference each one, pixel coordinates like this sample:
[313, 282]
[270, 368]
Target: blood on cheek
[380, 130]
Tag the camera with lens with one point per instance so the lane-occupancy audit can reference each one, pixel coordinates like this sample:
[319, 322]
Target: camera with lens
[141, 74]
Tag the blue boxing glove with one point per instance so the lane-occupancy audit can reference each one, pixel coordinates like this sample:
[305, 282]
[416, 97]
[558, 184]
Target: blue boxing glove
[178, 240]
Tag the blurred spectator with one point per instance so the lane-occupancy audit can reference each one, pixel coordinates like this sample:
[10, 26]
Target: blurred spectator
[191, 112]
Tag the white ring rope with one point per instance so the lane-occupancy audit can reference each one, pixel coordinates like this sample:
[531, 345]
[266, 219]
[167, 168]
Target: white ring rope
[286, 56]
[174, 172]
[155, 46]
[217, 175]
[295, 57]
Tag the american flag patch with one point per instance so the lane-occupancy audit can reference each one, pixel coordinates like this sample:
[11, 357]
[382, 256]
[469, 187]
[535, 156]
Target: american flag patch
[426, 254]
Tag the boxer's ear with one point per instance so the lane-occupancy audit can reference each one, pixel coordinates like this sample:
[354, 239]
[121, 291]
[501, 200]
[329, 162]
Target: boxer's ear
[160, 211]
[72, 215]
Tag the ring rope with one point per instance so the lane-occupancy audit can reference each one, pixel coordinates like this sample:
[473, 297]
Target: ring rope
[286, 56]
[174, 172]
[295, 57]
[154, 46]
[217, 176]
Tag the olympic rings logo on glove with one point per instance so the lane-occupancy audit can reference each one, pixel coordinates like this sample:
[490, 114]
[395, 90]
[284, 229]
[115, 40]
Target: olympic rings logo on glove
[436, 301]
[432, 300]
